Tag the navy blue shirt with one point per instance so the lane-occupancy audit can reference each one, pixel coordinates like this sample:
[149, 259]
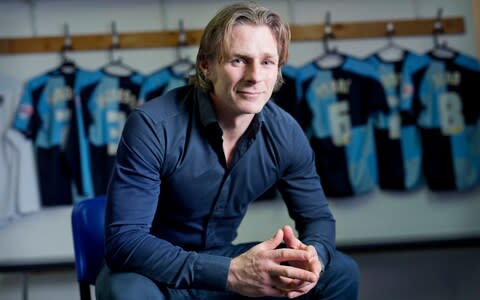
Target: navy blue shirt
[172, 197]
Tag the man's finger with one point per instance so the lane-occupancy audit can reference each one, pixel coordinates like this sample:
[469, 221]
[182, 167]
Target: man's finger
[273, 242]
[316, 265]
[293, 273]
[292, 291]
[291, 240]
[287, 254]
[286, 283]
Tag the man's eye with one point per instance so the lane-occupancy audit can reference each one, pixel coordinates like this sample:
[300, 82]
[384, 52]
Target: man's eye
[237, 61]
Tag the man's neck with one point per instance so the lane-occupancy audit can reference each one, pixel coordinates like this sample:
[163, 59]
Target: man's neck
[234, 128]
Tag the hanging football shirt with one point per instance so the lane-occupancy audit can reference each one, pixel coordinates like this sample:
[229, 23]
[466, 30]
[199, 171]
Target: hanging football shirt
[18, 180]
[9, 90]
[339, 102]
[449, 122]
[24, 189]
[159, 82]
[106, 100]
[47, 116]
[286, 96]
[397, 139]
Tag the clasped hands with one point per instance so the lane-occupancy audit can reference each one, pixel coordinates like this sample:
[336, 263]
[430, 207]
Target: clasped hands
[266, 270]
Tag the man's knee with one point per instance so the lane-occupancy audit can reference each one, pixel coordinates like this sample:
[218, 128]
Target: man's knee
[346, 268]
[340, 279]
[120, 286]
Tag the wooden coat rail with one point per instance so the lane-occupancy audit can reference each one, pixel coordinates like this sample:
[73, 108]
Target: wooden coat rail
[157, 39]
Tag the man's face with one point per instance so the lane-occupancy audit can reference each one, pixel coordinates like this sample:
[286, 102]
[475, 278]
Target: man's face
[244, 81]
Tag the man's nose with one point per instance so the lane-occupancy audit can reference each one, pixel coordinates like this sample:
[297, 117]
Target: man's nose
[254, 73]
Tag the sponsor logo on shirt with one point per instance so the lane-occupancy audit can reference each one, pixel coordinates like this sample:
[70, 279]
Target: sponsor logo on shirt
[26, 111]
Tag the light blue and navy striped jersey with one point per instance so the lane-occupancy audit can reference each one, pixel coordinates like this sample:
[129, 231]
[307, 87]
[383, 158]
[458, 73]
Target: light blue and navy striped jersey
[106, 101]
[159, 82]
[286, 96]
[48, 115]
[397, 139]
[450, 122]
[339, 103]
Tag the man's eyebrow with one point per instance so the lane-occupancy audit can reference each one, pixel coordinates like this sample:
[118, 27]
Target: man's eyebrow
[271, 55]
[247, 56]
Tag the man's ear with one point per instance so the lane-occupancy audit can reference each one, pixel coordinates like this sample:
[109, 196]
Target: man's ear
[204, 68]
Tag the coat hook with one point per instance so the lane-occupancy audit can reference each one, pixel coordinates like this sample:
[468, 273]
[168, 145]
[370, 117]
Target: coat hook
[67, 39]
[182, 40]
[67, 44]
[328, 33]
[115, 43]
[328, 27]
[390, 31]
[182, 37]
[115, 39]
[437, 28]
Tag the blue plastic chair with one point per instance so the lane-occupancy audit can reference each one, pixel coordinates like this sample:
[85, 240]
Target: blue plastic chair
[88, 241]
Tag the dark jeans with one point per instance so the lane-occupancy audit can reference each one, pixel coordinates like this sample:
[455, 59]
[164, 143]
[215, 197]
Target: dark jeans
[339, 281]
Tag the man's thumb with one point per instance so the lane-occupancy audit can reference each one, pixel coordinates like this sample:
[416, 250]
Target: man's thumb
[275, 241]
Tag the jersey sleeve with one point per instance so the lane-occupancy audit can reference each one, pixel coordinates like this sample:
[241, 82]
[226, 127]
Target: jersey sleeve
[27, 119]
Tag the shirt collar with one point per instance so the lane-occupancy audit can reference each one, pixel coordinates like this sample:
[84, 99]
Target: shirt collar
[205, 108]
[208, 117]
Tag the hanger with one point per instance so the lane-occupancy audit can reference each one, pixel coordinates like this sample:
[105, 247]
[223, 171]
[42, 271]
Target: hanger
[440, 49]
[330, 57]
[116, 66]
[67, 65]
[183, 65]
[391, 51]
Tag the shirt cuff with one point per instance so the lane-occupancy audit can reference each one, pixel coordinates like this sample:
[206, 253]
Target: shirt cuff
[323, 254]
[211, 272]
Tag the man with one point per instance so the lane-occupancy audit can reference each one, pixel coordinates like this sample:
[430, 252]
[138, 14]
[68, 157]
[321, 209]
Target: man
[189, 163]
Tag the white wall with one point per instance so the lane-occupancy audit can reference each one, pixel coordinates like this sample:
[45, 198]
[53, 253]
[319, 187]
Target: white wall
[378, 216]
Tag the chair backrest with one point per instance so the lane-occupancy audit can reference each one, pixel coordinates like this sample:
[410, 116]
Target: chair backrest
[88, 238]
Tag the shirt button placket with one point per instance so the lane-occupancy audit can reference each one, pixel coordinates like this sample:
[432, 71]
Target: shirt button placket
[217, 213]
[222, 199]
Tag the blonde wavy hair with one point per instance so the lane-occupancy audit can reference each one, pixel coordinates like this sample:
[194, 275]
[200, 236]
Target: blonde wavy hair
[215, 40]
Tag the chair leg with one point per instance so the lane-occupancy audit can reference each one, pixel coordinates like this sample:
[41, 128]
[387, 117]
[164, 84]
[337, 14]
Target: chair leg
[25, 286]
[84, 291]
